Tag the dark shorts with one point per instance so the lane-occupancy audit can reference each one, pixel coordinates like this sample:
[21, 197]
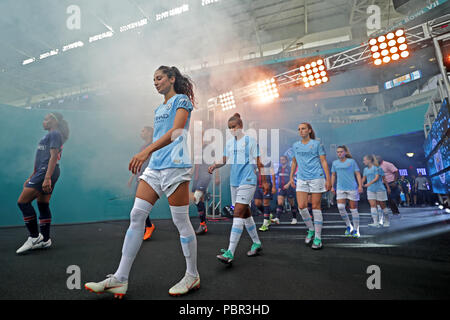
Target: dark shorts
[259, 193]
[37, 179]
[289, 192]
[201, 185]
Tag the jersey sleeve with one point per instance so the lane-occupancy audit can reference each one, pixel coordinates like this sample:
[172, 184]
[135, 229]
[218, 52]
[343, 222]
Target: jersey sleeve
[321, 150]
[355, 166]
[365, 172]
[333, 169]
[55, 140]
[380, 171]
[184, 103]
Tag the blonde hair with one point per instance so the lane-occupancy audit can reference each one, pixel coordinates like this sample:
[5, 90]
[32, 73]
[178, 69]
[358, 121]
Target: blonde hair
[372, 159]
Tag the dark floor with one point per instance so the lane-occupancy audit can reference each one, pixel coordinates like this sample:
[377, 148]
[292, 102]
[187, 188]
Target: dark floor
[413, 256]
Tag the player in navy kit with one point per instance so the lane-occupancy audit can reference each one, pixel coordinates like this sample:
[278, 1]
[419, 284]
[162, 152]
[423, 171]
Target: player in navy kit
[285, 190]
[169, 172]
[41, 183]
[201, 179]
[265, 199]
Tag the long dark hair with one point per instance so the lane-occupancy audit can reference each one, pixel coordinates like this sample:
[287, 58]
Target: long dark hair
[312, 135]
[183, 84]
[63, 126]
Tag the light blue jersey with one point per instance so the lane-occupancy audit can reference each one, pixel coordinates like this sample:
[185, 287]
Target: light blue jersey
[308, 159]
[370, 175]
[242, 154]
[345, 174]
[176, 154]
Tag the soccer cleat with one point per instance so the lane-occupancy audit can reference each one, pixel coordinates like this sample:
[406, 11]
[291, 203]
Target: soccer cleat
[226, 256]
[355, 233]
[374, 225]
[30, 244]
[294, 221]
[148, 232]
[317, 244]
[186, 284]
[254, 250]
[202, 229]
[386, 223]
[276, 221]
[110, 284]
[309, 236]
[43, 244]
[348, 231]
[265, 226]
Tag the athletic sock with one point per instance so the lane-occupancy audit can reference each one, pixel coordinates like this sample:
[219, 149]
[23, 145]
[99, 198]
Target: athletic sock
[236, 232]
[374, 214]
[279, 211]
[294, 211]
[188, 239]
[148, 222]
[133, 238]
[201, 211]
[307, 218]
[251, 229]
[355, 216]
[29, 217]
[318, 223]
[45, 219]
[344, 215]
[266, 212]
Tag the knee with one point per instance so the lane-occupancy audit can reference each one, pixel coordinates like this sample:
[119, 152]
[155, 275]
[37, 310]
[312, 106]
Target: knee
[341, 206]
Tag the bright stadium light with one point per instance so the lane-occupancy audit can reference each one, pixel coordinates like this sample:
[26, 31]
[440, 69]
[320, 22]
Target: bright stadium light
[268, 90]
[133, 25]
[227, 101]
[73, 46]
[316, 73]
[28, 61]
[107, 34]
[49, 54]
[389, 47]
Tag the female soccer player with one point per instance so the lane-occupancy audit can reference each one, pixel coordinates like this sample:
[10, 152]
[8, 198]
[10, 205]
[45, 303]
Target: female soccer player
[41, 183]
[147, 136]
[376, 191]
[349, 185]
[169, 172]
[285, 190]
[243, 152]
[313, 176]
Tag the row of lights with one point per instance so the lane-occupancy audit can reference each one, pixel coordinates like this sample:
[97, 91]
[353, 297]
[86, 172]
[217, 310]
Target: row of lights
[227, 101]
[314, 73]
[268, 90]
[389, 47]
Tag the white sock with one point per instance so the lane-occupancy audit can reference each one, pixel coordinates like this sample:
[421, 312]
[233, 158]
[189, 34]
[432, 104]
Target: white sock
[235, 235]
[307, 218]
[133, 238]
[318, 223]
[374, 214]
[344, 215]
[386, 214]
[355, 215]
[180, 217]
[251, 229]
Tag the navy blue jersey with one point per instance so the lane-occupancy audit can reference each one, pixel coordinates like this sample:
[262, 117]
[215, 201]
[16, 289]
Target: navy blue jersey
[52, 140]
[283, 175]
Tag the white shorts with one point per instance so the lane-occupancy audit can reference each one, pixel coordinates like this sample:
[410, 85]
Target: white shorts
[166, 180]
[379, 195]
[311, 186]
[352, 195]
[242, 194]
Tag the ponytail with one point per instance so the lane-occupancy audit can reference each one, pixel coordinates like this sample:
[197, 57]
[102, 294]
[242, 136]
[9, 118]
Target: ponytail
[183, 84]
[63, 126]
[372, 159]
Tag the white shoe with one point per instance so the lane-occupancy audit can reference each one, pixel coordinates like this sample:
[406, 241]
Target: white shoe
[294, 221]
[276, 221]
[386, 223]
[43, 244]
[110, 284]
[186, 284]
[374, 225]
[30, 243]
